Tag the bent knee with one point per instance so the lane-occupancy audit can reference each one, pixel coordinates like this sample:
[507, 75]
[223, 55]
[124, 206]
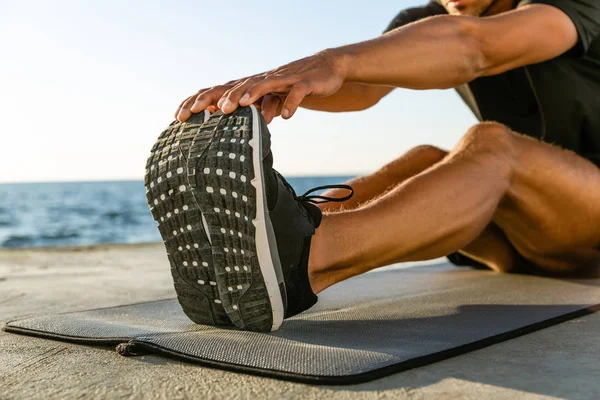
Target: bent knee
[427, 152]
[487, 140]
[486, 135]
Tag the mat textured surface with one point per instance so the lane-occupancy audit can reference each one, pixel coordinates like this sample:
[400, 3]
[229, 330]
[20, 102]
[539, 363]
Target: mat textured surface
[367, 327]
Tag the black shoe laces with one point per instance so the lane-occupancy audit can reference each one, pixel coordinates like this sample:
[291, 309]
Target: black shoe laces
[316, 198]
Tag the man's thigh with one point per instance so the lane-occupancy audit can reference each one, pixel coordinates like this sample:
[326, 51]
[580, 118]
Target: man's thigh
[551, 212]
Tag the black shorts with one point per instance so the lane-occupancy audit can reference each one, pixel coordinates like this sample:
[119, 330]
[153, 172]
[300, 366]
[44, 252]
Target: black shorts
[595, 159]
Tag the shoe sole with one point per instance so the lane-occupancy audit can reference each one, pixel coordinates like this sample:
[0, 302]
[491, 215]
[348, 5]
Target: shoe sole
[174, 209]
[226, 178]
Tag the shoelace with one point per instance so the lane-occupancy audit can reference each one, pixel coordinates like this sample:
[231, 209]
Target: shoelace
[318, 199]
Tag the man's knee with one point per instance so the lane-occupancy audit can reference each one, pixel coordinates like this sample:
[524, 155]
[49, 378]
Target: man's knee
[412, 162]
[428, 152]
[485, 140]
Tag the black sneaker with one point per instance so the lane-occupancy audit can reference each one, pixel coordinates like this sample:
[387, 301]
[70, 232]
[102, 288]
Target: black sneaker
[257, 229]
[179, 222]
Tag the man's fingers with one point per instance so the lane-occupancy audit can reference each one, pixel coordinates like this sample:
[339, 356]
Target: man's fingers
[184, 110]
[181, 105]
[230, 99]
[271, 84]
[208, 98]
[269, 107]
[298, 92]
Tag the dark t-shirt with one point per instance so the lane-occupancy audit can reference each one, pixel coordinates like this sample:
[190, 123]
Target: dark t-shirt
[558, 100]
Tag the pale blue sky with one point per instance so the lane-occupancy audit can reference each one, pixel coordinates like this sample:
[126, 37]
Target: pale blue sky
[87, 86]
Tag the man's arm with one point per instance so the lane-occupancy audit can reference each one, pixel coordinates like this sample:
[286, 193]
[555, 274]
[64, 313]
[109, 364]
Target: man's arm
[352, 96]
[434, 53]
[447, 51]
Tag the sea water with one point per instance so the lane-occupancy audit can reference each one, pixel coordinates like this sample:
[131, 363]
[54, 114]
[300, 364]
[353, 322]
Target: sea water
[85, 213]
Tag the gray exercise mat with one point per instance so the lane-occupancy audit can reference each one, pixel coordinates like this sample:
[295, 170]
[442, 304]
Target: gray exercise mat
[361, 329]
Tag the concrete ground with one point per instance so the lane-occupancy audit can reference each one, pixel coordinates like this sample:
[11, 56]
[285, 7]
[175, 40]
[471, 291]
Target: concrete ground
[558, 362]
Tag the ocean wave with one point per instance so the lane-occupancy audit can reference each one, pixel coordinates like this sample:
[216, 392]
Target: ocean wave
[121, 217]
[7, 222]
[59, 236]
[19, 241]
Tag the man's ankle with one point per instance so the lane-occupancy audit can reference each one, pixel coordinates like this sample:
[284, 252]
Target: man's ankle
[320, 256]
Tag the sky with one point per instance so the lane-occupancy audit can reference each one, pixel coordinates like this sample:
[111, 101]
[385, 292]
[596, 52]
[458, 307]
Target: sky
[87, 86]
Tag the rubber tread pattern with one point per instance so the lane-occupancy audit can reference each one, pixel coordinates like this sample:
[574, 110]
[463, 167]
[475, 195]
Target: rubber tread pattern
[179, 222]
[220, 171]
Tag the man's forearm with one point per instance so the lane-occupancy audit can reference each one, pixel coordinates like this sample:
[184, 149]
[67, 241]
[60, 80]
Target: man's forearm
[352, 96]
[431, 54]
[436, 53]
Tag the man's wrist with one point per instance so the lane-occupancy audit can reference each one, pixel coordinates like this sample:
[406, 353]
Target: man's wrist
[342, 61]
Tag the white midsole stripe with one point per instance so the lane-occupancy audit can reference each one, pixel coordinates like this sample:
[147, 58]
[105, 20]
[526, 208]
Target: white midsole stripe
[261, 239]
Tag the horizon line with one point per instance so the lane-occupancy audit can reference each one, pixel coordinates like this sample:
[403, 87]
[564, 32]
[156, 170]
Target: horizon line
[99, 180]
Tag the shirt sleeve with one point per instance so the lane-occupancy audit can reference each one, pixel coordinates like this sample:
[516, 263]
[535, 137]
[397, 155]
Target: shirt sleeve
[585, 15]
[414, 14]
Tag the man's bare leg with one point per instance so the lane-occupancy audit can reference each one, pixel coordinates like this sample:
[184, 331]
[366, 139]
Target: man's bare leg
[369, 187]
[522, 186]
[490, 248]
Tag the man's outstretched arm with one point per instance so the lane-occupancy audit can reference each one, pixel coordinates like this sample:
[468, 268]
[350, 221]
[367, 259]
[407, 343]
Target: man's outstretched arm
[352, 96]
[435, 53]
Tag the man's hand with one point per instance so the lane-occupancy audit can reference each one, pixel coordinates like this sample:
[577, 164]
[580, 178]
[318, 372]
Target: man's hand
[278, 91]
